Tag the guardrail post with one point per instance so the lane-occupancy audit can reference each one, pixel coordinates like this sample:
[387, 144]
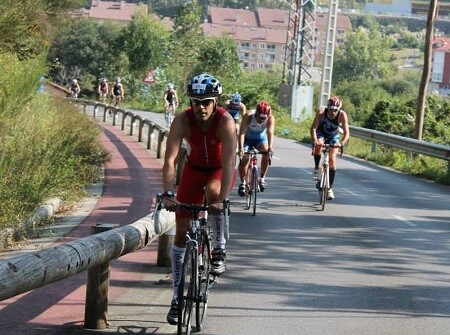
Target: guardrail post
[141, 127]
[96, 308]
[374, 147]
[160, 142]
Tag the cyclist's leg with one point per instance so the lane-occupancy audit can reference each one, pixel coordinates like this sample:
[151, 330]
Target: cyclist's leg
[263, 146]
[217, 222]
[332, 165]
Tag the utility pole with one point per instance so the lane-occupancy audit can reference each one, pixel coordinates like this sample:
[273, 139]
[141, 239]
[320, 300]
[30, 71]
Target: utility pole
[421, 101]
[327, 69]
[296, 89]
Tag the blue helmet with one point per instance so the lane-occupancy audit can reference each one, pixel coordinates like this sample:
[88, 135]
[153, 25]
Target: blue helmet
[236, 98]
[204, 85]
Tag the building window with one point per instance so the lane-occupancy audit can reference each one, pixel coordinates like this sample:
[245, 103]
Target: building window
[271, 47]
[254, 45]
[261, 56]
[262, 45]
[245, 45]
[261, 66]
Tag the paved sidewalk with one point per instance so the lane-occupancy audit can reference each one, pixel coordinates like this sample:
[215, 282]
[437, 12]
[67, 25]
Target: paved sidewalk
[139, 294]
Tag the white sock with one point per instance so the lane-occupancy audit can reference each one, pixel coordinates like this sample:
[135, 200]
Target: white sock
[177, 264]
[217, 226]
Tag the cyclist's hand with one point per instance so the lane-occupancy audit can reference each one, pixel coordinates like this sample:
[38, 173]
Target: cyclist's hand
[170, 204]
[216, 208]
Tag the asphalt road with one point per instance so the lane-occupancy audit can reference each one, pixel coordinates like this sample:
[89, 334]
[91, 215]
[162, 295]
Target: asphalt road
[376, 261]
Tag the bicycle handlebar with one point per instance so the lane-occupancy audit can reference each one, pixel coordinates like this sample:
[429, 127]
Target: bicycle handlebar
[328, 146]
[254, 151]
[194, 208]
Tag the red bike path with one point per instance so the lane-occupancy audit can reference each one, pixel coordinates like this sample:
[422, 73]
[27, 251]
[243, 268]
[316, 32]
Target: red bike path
[132, 179]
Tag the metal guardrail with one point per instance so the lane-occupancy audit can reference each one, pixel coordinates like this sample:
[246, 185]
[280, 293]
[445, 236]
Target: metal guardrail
[408, 144]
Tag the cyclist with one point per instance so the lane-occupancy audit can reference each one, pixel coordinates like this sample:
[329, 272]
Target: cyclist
[117, 91]
[257, 131]
[236, 108]
[74, 88]
[325, 130]
[103, 89]
[208, 171]
[170, 99]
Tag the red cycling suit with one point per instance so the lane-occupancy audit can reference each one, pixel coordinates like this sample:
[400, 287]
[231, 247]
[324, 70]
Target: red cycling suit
[203, 161]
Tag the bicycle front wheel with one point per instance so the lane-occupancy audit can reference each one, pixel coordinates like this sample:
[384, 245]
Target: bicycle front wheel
[255, 188]
[323, 190]
[204, 279]
[187, 290]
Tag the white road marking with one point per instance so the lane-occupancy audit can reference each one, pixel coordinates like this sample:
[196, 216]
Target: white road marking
[350, 192]
[409, 223]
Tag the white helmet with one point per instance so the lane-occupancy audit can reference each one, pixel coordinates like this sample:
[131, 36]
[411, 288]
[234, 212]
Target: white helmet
[118, 80]
[74, 81]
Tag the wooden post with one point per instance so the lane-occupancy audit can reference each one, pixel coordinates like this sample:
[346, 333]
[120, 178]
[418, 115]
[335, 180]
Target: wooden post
[165, 243]
[96, 308]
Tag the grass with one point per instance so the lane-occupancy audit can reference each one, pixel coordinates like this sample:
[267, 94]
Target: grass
[47, 148]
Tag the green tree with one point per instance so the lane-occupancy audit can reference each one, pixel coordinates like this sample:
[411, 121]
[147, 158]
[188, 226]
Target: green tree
[218, 55]
[85, 47]
[26, 25]
[365, 55]
[145, 42]
[187, 39]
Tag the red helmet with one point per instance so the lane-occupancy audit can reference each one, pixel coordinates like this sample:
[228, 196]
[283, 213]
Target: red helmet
[263, 108]
[334, 103]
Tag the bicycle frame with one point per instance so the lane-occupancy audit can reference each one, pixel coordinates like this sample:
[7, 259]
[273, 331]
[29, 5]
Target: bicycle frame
[323, 184]
[169, 115]
[252, 178]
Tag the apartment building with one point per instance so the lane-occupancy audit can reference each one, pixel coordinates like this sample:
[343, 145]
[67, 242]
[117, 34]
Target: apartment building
[440, 75]
[115, 11]
[261, 35]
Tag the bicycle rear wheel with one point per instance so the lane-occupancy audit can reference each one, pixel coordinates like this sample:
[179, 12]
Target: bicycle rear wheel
[187, 290]
[255, 188]
[248, 195]
[204, 279]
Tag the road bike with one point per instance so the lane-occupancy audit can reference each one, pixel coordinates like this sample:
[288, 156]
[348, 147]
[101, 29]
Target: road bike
[196, 277]
[323, 183]
[170, 115]
[252, 179]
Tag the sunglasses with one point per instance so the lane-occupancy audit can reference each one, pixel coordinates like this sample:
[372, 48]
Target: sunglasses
[262, 116]
[204, 102]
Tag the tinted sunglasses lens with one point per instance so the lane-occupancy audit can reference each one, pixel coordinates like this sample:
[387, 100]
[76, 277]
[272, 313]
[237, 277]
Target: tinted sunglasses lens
[204, 102]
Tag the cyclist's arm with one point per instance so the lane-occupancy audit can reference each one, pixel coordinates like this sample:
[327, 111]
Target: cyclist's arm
[270, 130]
[174, 139]
[345, 127]
[227, 134]
[243, 109]
[315, 125]
[243, 130]
[122, 91]
[175, 95]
